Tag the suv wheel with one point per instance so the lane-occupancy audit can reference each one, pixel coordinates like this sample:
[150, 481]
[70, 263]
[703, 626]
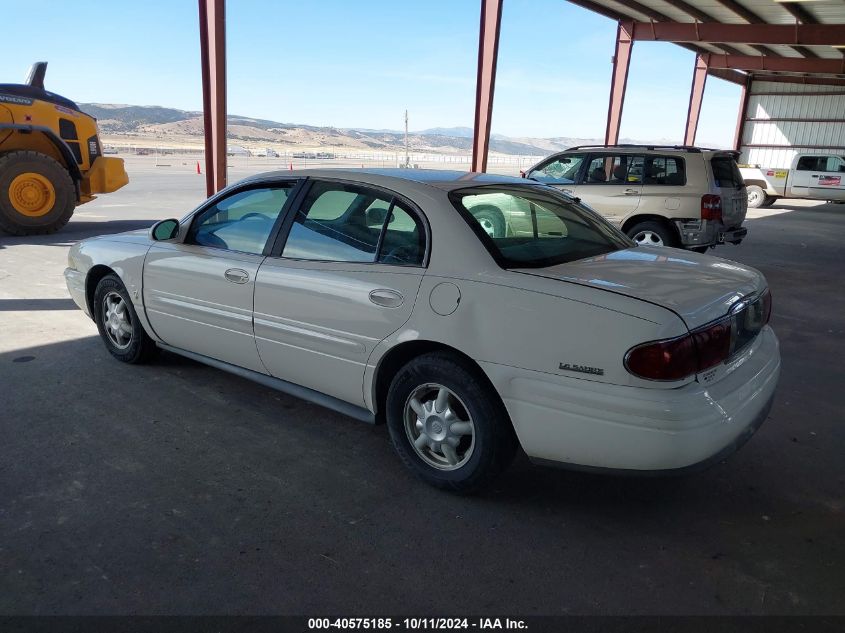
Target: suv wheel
[651, 233]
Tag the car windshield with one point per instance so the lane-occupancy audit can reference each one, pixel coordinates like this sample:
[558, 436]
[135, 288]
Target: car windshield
[535, 226]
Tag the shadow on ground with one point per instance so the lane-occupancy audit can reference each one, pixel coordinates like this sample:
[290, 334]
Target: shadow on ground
[76, 230]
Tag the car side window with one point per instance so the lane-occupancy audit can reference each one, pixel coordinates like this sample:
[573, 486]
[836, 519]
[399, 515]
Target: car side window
[614, 169]
[834, 163]
[242, 221]
[560, 171]
[347, 223]
[403, 242]
[812, 163]
[664, 170]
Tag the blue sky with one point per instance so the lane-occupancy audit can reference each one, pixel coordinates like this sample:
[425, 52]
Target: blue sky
[361, 63]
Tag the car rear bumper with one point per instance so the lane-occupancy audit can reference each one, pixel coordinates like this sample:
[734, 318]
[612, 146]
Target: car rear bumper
[695, 233]
[75, 281]
[589, 424]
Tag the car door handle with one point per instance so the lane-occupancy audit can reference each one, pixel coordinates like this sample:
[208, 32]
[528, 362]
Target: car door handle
[814, 176]
[631, 192]
[386, 298]
[236, 276]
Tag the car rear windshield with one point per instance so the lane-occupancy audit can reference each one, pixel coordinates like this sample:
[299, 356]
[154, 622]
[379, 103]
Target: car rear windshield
[726, 173]
[535, 226]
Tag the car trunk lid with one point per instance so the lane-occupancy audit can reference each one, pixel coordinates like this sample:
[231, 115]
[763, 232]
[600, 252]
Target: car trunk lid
[699, 288]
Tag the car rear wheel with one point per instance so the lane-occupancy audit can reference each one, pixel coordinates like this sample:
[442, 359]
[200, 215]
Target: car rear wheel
[447, 424]
[651, 233]
[118, 323]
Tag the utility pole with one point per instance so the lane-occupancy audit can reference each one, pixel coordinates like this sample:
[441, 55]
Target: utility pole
[407, 157]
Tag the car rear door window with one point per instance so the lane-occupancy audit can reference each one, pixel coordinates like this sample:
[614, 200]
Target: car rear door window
[242, 221]
[348, 223]
[610, 169]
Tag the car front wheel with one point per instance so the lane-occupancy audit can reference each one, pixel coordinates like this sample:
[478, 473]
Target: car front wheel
[447, 424]
[118, 323]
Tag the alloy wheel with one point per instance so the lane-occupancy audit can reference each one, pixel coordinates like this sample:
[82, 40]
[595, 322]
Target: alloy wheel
[439, 427]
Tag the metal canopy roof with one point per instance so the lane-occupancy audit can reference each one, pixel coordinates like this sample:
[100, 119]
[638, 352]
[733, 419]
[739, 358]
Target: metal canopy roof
[793, 41]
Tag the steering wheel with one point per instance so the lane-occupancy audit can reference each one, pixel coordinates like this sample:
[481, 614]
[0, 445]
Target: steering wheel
[255, 216]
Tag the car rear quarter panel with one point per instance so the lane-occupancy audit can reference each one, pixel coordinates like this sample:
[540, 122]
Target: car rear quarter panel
[537, 326]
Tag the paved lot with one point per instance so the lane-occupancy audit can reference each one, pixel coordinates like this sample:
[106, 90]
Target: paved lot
[176, 488]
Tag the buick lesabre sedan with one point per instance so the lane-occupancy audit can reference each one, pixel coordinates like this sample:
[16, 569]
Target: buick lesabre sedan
[383, 295]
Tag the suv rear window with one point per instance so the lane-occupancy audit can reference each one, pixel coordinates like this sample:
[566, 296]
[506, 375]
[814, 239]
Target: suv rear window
[726, 173]
[534, 226]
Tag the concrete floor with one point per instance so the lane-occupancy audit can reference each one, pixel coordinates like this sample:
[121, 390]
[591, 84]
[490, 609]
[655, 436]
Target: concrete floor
[174, 488]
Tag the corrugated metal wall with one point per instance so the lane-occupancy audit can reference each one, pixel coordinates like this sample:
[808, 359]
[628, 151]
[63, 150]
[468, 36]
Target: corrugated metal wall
[803, 133]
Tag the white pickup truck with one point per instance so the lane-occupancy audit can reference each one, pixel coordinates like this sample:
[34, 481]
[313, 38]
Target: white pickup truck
[811, 176]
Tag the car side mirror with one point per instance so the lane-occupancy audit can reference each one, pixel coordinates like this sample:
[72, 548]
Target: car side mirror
[376, 216]
[522, 174]
[165, 230]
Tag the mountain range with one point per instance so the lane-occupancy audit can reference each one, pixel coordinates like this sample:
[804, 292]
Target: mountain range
[137, 124]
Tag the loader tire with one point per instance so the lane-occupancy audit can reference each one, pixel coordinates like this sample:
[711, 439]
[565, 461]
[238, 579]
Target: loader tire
[37, 194]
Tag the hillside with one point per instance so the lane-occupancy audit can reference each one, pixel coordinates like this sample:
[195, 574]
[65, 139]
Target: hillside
[137, 123]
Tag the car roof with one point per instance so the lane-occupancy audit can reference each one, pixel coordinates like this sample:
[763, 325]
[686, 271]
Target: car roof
[400, 179]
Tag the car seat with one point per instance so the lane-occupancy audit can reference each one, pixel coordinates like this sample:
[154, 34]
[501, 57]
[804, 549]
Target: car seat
[620, 173]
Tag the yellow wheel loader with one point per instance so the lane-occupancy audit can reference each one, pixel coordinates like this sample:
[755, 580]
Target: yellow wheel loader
[51, 158]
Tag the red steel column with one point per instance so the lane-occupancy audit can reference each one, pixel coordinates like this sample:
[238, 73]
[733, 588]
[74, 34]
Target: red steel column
[488, 52]
[618, 83]
[212, 14]
[743, 112]
[696, 96]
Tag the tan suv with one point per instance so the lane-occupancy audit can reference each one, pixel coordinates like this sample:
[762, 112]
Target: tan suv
[682, 196]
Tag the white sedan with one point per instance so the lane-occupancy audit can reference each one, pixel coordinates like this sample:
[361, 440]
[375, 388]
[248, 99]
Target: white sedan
[385, 295]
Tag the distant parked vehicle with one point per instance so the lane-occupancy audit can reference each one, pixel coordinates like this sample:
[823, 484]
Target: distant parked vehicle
[810, 176]
[382, 295]
[306, 155]
[682, 196]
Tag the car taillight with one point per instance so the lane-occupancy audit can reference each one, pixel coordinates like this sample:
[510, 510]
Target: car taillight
[663, 360]
[711, 207]
[701, 349]
[713, 344]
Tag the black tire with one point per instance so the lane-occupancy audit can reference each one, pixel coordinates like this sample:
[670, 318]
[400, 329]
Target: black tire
[491, 219]
[140, 347]
[769, 201]
[756, 196]
[13, 164]
[667, 235]
[493, 441]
